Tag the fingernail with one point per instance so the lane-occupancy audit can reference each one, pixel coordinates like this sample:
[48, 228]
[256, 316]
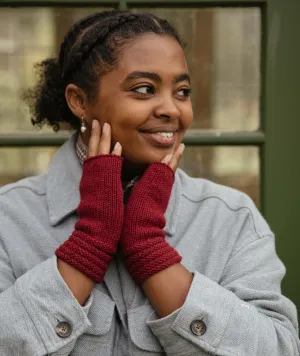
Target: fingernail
[105, 127]
[94, 124]
[117, 145]
[181, 149]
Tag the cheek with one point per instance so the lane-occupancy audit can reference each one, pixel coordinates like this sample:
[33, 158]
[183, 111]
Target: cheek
[187, 115]
[128, 116]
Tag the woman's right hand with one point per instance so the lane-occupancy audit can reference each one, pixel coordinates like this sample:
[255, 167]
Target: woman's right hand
[94, 241]
[100, 142]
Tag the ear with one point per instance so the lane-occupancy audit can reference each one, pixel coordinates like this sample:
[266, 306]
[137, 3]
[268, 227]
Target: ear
[76, 99]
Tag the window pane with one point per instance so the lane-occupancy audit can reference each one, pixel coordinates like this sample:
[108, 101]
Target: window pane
[27, 36]
[237, 167]
[223, 52]
[18, 163]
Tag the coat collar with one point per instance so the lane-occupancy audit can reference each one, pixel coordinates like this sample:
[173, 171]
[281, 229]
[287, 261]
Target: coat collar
[63, 181]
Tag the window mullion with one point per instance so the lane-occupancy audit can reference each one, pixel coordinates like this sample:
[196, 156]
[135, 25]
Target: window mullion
[192, 138]
[123, 5]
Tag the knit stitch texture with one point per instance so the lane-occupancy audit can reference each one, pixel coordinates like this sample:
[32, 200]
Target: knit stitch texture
[94, 241]
[146, 252]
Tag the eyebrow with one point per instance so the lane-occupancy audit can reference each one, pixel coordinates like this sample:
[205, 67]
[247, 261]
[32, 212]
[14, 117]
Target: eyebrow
[155, 77]
[182, 78]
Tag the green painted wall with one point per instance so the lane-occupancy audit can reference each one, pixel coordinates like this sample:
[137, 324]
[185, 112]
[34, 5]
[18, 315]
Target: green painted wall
[281, 166]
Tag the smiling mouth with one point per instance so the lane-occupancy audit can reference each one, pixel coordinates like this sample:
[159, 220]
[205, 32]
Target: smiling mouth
[165, 134]
[161, 139]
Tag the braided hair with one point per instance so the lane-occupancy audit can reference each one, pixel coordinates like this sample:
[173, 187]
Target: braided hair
[90, 49]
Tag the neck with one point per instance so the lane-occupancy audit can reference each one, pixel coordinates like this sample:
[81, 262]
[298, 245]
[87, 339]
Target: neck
[131, 170]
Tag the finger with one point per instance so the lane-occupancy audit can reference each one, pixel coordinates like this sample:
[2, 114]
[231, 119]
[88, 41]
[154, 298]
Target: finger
[117, 149]
[167, 159]
[105, 140]
[94, 139]
[176, 157]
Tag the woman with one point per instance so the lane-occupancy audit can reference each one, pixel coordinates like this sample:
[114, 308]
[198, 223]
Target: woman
[134, 260]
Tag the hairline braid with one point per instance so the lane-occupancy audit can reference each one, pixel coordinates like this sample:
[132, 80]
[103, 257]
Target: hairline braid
[76, 27]
[98, 33]
[71, 33]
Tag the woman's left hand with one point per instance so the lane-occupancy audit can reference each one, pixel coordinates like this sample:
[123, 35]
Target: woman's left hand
[144, 247]
[173, 159]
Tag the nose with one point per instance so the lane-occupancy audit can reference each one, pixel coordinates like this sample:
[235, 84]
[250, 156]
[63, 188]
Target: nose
[167, 108]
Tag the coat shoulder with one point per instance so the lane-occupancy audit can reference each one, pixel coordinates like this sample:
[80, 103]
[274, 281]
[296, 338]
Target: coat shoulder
[225, 201]
[22, 195]
[30, 185]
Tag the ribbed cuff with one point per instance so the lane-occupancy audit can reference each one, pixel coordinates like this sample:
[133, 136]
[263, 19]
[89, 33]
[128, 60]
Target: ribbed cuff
[144, 264]
[87, 258]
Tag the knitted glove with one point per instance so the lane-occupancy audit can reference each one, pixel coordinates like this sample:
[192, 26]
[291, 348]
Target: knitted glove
[145, 250]
[94, 241]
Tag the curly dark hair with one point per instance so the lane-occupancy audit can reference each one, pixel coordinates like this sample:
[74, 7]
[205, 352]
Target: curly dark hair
[90, 49]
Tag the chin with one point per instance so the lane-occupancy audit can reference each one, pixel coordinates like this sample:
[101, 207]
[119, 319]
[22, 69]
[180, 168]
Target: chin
[152, 159]
[145, 154]
[145, 159]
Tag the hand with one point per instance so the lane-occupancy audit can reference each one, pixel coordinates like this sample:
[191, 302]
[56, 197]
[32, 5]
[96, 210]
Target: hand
[173, 159]
[143, 243]
[101, 144]
[94, 241]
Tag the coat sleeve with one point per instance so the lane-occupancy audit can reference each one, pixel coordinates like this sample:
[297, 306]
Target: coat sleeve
[245, 314]
[32, 306]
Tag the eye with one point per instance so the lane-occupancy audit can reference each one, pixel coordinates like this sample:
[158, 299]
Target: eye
[144, 89]
[184, 92]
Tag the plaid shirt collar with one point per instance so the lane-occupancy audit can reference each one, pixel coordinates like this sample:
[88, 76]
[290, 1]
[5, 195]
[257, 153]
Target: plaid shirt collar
[81, 149]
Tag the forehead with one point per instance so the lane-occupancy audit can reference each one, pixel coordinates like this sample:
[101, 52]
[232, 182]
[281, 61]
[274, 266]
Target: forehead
[156, 53]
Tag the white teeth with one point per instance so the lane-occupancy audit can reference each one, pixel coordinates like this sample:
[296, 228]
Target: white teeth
[165, 134]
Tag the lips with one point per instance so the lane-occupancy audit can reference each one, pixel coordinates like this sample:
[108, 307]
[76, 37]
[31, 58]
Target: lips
[155, 130]
[158, 140]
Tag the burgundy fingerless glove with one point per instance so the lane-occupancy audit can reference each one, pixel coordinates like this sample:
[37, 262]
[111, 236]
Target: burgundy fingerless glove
[94, 241]
[145, 250]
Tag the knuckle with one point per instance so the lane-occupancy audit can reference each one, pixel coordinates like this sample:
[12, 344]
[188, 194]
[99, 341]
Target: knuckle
[104, 137]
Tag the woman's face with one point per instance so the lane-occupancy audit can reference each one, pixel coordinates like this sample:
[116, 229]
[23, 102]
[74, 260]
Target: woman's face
[146, 99]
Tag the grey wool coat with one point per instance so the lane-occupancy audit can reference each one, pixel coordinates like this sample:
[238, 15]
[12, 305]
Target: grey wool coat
[234, 306]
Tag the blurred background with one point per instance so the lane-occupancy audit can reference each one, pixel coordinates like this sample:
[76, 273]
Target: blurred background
[234, 51]
[223, 51]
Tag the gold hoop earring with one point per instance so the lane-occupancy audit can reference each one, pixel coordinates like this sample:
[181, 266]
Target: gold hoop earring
[83, 125]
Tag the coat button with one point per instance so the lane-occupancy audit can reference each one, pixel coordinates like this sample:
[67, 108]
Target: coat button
[198, 327]
[63, 329]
